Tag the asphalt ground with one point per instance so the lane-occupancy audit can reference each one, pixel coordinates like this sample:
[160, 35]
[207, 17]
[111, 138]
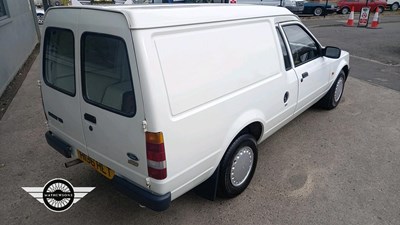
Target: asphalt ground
[324, 167]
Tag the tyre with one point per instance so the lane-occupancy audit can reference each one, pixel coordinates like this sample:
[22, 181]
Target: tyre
[237, 166]
[318, 11]
[394, 7]
[345, 10]
[332, 98]
[380, 9]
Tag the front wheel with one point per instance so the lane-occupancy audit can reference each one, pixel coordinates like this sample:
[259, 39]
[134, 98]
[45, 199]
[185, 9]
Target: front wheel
[395, 7]
[332, 98]
[381, 9]
[237, 166]
[318, 11]
[345, 10]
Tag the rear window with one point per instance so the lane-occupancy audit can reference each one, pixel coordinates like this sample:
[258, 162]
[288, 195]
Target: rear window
[58, 60]
[106, 75]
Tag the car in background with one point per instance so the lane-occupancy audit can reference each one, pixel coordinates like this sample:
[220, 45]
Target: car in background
[295, 6]
[393, 4]
[318, 9]
[40, 15]
[344, 6]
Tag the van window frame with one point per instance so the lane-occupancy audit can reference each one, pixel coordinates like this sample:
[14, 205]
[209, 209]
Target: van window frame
[319, 46]
[281, 37]
[48, 29]
[83, 82]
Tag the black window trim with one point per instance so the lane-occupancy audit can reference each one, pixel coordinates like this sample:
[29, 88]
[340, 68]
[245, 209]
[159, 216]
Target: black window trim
[310, 35]
[87, 100]
[43, 62]
[280, 33]
[6, 11]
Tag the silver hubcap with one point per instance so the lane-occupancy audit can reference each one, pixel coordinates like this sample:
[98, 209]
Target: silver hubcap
[318, 11]
[395, 7]
[241, 166]
[339, 89]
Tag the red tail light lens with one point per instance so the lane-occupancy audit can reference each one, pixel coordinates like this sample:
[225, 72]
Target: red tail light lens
[156, 160]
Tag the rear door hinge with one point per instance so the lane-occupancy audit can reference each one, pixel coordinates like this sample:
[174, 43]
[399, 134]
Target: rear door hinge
[144, 126]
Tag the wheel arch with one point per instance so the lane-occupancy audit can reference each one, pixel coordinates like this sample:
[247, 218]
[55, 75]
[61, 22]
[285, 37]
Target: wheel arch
[254, 128]
[346, 70]
[248, 123]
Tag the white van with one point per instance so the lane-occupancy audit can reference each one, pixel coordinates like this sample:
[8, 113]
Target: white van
[163, 99]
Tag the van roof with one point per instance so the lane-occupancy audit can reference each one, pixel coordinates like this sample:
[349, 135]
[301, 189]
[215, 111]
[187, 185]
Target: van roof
[164, 15]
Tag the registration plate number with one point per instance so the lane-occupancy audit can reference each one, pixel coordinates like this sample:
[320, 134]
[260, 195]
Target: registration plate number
[107, 172]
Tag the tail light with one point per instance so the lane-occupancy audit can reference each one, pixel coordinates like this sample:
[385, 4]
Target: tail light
[156, 161]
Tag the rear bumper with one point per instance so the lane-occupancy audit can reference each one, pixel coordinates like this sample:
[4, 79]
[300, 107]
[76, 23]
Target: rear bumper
[58, 144]
[142, 196]
[137, 193]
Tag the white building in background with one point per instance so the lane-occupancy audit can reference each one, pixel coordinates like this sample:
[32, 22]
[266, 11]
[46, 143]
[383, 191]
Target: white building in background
[19, 35]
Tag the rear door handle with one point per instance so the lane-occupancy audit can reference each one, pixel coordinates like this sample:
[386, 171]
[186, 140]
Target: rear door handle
[90, 118]
[304, 75]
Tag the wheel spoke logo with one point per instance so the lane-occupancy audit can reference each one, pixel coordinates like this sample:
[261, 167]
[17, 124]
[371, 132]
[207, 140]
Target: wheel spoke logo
[58, 195]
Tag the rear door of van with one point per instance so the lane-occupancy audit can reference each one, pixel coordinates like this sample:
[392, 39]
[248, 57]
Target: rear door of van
[60, 80]
[112, 110]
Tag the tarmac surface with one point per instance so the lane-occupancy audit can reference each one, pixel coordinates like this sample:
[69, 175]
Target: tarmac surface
[324, 167]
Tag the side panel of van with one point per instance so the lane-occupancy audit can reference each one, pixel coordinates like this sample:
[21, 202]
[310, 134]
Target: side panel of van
[208, 89]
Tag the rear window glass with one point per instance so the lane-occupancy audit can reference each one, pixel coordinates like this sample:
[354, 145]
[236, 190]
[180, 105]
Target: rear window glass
[58, 60]
[106, 75]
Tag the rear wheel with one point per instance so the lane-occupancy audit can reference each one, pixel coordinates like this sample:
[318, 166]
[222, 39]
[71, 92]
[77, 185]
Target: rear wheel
[381, 9]
[345, 10]
[318, 11]
[237, 166]
[395, 7]
[332, 98]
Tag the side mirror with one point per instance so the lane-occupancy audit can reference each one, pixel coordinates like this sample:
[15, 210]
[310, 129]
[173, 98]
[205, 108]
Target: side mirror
[331, 52]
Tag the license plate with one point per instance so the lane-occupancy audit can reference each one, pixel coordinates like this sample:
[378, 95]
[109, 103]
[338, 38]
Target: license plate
[107, 172]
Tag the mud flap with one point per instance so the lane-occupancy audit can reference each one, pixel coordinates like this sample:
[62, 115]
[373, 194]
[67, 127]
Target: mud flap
[208, 189]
